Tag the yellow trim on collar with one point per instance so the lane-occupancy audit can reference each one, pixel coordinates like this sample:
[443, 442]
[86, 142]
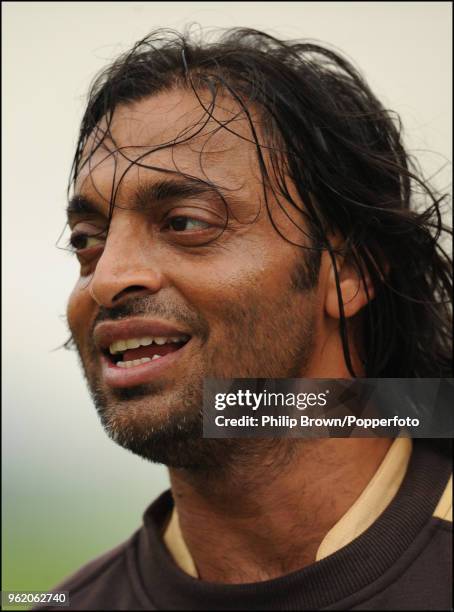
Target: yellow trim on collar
[444, 506]
[373, 500]
[173, 539]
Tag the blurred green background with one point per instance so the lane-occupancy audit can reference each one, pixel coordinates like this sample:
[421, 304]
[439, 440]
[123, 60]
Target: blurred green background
[57, 517]
[46, 537]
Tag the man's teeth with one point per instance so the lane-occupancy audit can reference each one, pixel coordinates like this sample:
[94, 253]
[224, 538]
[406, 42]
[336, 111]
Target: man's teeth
[136, 362]
[122, 345]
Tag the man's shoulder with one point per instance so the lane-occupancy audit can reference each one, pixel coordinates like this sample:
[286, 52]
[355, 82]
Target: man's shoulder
[104, 583]
[98, 567]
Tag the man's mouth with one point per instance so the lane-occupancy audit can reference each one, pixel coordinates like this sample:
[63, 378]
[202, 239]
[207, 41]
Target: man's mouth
[133, 352]
[136, 351]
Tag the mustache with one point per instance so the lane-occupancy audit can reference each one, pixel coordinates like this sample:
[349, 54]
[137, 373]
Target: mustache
[150, 306]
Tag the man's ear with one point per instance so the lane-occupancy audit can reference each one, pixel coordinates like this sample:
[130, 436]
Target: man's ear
[352, 288]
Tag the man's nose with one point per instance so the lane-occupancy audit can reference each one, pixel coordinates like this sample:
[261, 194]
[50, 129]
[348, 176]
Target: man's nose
[126, 267]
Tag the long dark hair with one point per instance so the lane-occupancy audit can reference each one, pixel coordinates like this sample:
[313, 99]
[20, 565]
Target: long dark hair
[325, 131]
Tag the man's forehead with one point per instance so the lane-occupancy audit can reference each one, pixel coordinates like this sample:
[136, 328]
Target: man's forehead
[182, 116]
[172, 130]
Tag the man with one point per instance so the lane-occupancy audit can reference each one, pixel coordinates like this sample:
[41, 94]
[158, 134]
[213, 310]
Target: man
[246, 209]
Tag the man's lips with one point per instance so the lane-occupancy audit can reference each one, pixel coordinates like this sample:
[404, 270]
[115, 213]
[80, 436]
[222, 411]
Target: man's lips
[117, 377]
[164, 346]
[108, 332]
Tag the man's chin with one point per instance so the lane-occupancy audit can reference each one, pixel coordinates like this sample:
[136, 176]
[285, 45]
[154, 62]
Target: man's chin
[177, 443]
[167, 428]
[158, 425]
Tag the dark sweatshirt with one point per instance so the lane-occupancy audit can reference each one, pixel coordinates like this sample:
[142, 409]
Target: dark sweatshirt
[403, 561]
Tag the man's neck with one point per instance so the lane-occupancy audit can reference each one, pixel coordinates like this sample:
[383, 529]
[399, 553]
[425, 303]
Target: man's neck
[267, 517]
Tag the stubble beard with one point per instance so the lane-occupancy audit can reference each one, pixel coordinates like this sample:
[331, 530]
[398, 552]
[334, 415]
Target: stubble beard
[166, 427]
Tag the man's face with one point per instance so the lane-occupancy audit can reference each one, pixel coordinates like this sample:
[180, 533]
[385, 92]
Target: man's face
[211, 283]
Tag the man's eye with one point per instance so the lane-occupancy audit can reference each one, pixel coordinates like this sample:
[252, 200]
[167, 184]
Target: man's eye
[79, 242]
[180, 224]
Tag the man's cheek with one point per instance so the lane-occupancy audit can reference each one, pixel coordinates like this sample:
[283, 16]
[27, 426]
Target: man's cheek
[78, 313]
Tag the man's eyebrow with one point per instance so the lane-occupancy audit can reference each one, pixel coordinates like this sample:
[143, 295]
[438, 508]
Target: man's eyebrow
[170, 189]
[80, 205]
[147, 194]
